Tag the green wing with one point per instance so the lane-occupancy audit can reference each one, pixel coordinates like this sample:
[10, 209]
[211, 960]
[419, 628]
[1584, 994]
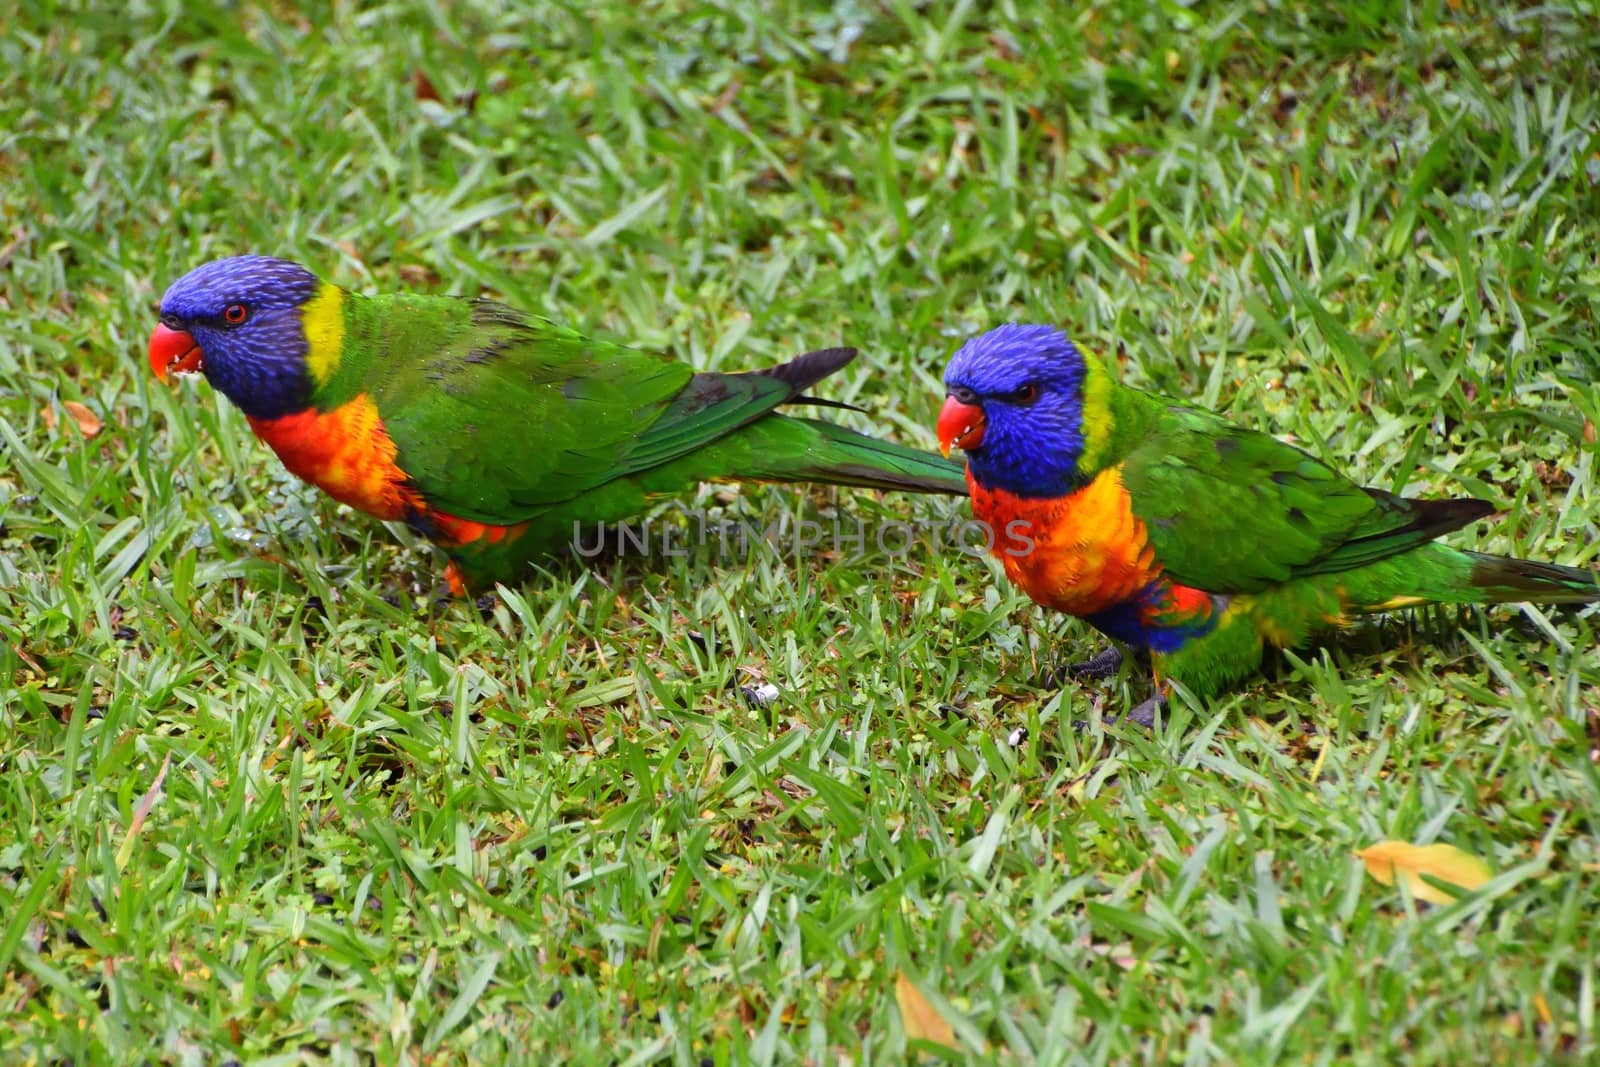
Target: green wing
[497, 415]
[1231, 510]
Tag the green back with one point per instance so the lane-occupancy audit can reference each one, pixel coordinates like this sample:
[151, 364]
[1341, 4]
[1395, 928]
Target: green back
[1231, 510]
[499, 415]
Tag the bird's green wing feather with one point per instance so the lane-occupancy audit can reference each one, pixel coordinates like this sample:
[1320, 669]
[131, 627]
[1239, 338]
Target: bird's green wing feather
[1231, 510]
[497, 415]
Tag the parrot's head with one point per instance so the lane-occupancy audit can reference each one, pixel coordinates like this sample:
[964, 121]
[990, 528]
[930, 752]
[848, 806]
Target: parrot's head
[1015, 405]
[241, 323]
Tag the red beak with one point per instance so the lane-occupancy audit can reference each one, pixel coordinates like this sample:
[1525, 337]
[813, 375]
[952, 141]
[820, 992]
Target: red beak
[960, 426]
[173, 351]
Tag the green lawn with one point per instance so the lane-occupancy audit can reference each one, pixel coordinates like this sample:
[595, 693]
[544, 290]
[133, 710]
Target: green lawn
[550, 827]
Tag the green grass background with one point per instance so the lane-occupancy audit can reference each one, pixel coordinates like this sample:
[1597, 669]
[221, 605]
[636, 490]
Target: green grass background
[391, 831]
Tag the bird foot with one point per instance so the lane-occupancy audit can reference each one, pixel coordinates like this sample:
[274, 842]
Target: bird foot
[1101, 665]
[1143, 714]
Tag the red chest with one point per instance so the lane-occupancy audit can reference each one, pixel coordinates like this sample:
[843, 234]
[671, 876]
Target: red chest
[345, 452]
[1081, 553]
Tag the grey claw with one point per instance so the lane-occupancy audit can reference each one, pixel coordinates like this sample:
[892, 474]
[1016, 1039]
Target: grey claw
[1142, 715]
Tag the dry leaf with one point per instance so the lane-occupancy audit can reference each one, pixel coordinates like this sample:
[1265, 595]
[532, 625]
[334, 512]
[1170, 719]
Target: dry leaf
[921, 1019]
[88, 422]
[1445, 863]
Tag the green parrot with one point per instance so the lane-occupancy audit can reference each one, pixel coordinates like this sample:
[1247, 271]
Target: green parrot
[494, 433]
[1173, 531]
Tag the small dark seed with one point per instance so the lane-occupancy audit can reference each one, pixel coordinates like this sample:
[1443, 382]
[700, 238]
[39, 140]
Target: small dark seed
[555, 999]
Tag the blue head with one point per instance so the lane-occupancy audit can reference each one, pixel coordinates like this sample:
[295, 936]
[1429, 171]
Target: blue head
[239, 322]
[1016, 407]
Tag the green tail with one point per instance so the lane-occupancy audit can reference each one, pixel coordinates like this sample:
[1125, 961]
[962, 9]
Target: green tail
[817, 451]
[1504, 580]
[1443, 575]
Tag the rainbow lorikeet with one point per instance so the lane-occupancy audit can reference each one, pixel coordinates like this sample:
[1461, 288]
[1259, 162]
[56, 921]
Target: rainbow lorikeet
[1170, 530]
[491, 431]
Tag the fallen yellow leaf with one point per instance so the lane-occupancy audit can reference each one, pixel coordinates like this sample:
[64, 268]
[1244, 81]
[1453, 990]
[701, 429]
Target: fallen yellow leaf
[920, 1018]
[88, 422]
[1446, 863]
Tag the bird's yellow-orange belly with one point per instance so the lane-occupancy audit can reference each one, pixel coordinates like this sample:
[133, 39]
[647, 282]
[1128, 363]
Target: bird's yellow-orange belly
[1082, 553]
[346, 453]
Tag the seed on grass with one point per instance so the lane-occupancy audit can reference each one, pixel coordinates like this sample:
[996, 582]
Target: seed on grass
[555, 1000]
[1017, 737]
[125, 633]
[322, 900]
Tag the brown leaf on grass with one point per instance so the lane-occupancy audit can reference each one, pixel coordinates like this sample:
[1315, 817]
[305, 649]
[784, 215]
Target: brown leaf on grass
[88, 422]
[422, 87]
[1445, 863]
[920, 1018]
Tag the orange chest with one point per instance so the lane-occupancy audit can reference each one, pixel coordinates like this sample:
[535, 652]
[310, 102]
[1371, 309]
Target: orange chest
[346, 453]
[1082, 553]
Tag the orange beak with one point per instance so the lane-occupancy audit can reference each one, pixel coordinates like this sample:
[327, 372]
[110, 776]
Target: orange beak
[960, 426]
[173, 351]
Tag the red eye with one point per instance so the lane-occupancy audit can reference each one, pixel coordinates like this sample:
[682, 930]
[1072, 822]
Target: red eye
[1028, 394]
[234, 314]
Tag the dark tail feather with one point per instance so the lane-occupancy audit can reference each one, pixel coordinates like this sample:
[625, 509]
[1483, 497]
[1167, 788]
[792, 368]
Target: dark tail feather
[838, 405]
[1507, 580]
[802, 372]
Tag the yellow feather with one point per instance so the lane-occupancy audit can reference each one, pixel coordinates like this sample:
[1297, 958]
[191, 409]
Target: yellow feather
[1096, 414]
[323, 317]
[1398, 602]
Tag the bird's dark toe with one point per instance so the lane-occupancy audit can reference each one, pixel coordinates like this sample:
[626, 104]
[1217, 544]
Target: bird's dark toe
[1101, 665]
